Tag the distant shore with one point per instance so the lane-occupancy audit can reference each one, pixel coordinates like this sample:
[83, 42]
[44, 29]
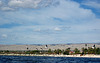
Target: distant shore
[51, 55]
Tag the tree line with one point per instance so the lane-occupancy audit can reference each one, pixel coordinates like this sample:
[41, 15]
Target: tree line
[56, 51]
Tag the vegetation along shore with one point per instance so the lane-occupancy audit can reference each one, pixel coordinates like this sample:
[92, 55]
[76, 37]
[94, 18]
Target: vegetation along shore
[68, 52]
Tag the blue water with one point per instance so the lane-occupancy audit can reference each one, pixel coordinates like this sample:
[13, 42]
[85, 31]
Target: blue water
[43, 59]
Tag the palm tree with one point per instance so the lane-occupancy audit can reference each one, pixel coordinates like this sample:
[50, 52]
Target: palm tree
[41, 50]
[49, 51]
[86, 46]
[66, 52]
[58, 51]
[76, 51]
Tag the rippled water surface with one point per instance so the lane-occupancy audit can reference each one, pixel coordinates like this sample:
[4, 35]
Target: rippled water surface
[43, 59]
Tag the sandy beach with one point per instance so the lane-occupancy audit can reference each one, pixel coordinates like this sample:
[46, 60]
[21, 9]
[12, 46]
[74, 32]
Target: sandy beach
[52, 55]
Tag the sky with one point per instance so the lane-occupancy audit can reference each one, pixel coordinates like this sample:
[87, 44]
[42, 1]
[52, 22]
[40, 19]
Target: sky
[49, 21]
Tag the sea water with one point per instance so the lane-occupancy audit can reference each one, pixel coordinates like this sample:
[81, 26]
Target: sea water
[45, 59]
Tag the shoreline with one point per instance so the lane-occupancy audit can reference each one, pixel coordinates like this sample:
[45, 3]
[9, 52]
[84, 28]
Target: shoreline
[52, 55]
